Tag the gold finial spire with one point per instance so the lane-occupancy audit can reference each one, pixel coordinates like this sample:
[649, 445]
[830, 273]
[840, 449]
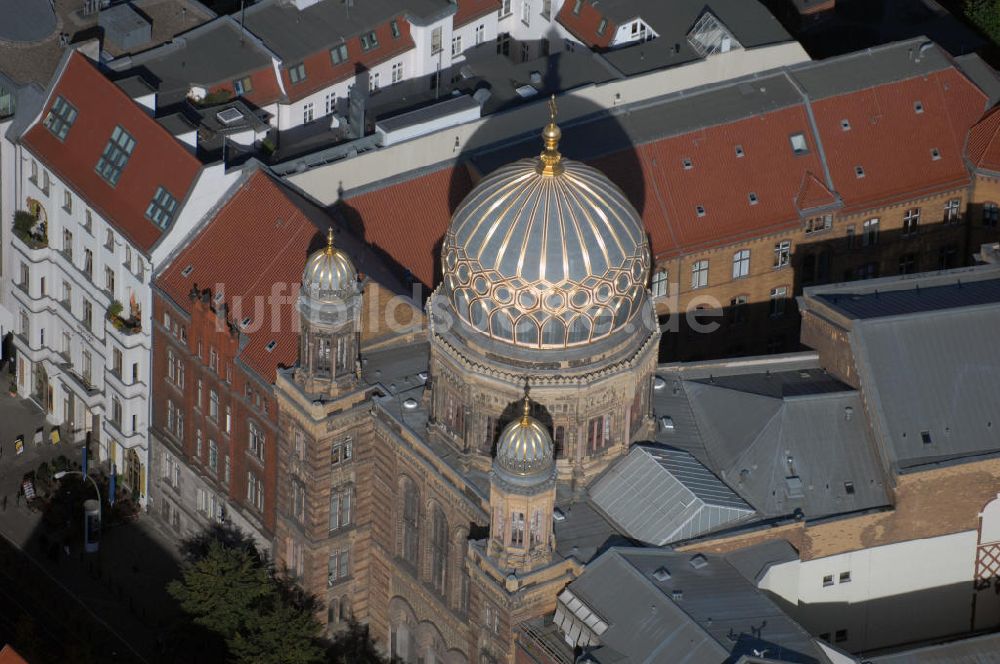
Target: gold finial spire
[550, 157]
[329, 241]
[526, 413]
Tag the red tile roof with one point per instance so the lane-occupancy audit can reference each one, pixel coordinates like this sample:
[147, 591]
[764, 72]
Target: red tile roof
[893, 142]
[259, 238]
[157, 159]
[10, 656]
[470, 10]
[886, 136]
[984, 142]
[415, 247]
[321, 72]
[265, 89]
[584, 25]
[813, 193]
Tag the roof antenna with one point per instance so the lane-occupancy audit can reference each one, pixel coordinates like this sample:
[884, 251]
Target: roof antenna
[243, 16]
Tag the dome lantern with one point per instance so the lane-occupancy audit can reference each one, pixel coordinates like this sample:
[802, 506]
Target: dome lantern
[329, 271]
[525, 447]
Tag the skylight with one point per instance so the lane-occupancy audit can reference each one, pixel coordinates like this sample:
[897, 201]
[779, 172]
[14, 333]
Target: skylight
[753, 198]
[845, 124]
[918, 107]
[186, 272]
[739, 151]
[799, 145]
[115, 155]
[661, 574]
[271, 345]
[700, 210]
[710, 36]
[859, 171]
[687, 164]
[935, 154]
[162, 208]
[60, 118]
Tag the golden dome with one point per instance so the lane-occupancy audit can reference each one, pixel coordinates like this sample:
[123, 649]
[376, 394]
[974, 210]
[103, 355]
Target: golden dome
[525, 447]
[329, 270]
[546, 253]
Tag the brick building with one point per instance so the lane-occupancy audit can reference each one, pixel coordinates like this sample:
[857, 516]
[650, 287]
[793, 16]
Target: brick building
[850, 168]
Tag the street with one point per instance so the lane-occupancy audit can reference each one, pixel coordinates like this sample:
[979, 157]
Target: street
[113, 602]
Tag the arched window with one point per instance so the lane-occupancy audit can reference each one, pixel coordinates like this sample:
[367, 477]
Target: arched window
[439, 550]
[559, 441]
[411, 522]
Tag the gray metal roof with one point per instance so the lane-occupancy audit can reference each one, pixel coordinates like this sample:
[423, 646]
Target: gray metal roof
[213, 52]
[26, 20]
[983, 649]
[748, 20]
[754, 561]
[882, 303]
[932, 381]
[982, 74]
[659, 494]
[293, 33]
[782, 441]
[717, 616]
[583, 532]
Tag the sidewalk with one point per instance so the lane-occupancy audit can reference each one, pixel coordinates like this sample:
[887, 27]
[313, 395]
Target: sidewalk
[123, 585]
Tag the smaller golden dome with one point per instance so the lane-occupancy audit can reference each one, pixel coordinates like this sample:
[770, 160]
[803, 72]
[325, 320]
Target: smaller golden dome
[525, 447]
[329, 270]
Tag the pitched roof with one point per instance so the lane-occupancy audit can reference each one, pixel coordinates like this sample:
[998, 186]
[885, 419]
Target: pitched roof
[470, 10]
[783, 440]
[984, 143]
[704, 611]
[712, 148]
[813, 193]
[414, 246]
[659, 494]
[931, 381]
[211, 55]
[157, 160]
[257, 239]
[10, 656]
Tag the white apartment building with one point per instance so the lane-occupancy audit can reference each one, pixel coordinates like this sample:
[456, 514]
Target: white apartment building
[109, 192]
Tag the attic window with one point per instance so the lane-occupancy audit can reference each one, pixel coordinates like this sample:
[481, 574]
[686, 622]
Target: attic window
[577, 5]
[60, 118]
[698, 561]
[602, 26]
[753, 198]
[186, 272]
[115, 155]
[859, 172]
[677, 595]
[700, 210]
[926, 437]
[918, 107]
[739, 151]
[687, 164]
[557, 514]
[271, 345]
[661, 574]
[162, 208]
[245, 321]
[845, 124]
[799, 145]
[667, 423]
[935, 154]
[849, 488]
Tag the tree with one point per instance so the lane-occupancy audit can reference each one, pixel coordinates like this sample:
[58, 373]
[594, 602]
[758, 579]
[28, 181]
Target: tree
[228, 587]
[985, 14]
[354, 646]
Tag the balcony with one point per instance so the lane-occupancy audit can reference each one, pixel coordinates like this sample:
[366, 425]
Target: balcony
[30, 230]
[126, 326]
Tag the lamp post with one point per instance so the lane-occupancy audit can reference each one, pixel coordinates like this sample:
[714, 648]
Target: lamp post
[92, 512]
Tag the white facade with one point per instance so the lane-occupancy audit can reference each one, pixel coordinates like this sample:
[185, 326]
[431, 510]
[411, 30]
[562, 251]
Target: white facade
[883, 596]
[85, 372]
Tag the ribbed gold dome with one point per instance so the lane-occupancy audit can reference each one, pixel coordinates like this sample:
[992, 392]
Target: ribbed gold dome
[329, 270]
[525, 447]
[546, 253]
